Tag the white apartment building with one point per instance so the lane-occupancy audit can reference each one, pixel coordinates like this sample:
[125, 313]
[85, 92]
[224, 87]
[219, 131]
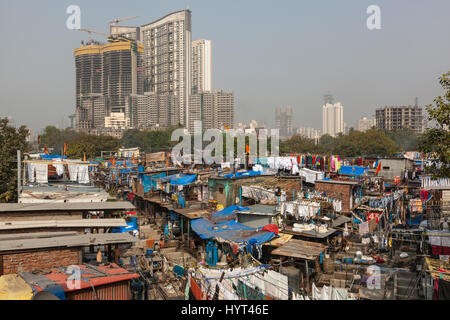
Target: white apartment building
[309, 132]
[333, 119]
[201, 66]
[117, 120]
[213, 109]
[167, 59]
[365, 124]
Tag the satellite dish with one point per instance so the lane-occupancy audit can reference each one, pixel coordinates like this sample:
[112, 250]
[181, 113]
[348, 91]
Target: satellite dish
[45, 295]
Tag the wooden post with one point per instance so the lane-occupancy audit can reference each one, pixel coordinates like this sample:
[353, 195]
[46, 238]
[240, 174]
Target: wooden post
[307, 276]
[189, 231]
[182, 233]
[18, 174]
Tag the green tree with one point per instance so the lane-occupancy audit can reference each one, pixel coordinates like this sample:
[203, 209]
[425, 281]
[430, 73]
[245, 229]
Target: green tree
[370, 143]
[149, 140]
[91, 145]
[11, 140]
[298, 144]
[55, 138]
[406, 139]
[436, 141]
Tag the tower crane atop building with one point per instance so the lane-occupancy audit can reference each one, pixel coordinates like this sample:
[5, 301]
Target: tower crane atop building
[92, 31]
[115, 23]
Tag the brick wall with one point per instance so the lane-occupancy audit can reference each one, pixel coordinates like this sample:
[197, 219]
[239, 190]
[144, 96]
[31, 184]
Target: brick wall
[42, 259]
[336, 191]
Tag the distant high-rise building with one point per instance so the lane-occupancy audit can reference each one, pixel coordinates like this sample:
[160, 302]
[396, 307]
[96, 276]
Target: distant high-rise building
[214, 109]
[309, 133]
[365, 124]
[167, 60]
[72, 118]
[153, 110]
[283, 122]
[333, 119]
[106, 75]
[393, 118]
[201, 66]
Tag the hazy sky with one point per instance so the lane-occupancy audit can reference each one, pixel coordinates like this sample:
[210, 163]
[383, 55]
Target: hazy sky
[270, 53]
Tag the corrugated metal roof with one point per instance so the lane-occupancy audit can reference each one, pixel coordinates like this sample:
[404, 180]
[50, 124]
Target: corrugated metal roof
[90, 276]
[300, 249]
[67, 241]
[82, 223]
[70, 206]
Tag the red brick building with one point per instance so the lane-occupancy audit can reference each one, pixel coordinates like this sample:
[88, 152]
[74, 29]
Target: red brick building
[346, 191]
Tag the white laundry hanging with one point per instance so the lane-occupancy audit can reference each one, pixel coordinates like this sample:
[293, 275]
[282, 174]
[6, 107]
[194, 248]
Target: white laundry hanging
[41, 173]
[83, 174]
[31, 170]
[57, 163]
[73, 172]
[337, 205]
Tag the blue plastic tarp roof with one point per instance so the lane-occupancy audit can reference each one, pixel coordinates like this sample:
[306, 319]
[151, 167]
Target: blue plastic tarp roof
[50, 156]
[243, 174]
[168, 178]
[121, 163]
[229, 229]
[131, 225]
[353, 170]
[179, 179]
[149, 182]
[184, 180]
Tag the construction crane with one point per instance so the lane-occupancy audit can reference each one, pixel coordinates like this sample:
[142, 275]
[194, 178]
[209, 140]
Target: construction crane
[115, 23]
[92, 31]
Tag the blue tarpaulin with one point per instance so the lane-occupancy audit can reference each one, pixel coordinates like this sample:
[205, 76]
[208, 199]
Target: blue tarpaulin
[224, 226]
[149, 182]
[243, 174]
[121, 163]
[132, 225]
[353, 170]
[183, 180]
[50, 156]
[168, 178]
[179, 179]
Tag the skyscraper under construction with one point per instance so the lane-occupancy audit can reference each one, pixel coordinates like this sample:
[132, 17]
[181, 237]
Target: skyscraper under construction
[106, 75]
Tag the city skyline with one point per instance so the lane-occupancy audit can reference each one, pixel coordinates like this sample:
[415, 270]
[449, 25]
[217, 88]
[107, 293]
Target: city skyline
[387, 67]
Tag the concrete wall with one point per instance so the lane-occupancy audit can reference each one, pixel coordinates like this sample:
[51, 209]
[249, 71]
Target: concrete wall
[391, 168]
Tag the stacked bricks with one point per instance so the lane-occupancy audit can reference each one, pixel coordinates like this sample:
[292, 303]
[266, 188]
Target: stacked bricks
[43, 259]
[336, 191]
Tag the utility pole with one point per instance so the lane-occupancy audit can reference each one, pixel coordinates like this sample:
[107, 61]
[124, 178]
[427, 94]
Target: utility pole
[19, 176]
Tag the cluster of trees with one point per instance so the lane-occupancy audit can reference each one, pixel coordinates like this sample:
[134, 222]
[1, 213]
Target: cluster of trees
[406, 139]
[11, 140]
[370, 143]
[78, 144]
[148, 140]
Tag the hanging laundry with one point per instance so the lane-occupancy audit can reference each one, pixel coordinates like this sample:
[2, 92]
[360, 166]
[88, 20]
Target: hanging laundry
[57, 163]
[41, 173]
[31, 171]
[73, 172]
[364, 228]
[83, 174]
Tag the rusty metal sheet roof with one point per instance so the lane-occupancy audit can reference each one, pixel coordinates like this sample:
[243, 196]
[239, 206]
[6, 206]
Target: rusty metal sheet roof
[300, 249]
